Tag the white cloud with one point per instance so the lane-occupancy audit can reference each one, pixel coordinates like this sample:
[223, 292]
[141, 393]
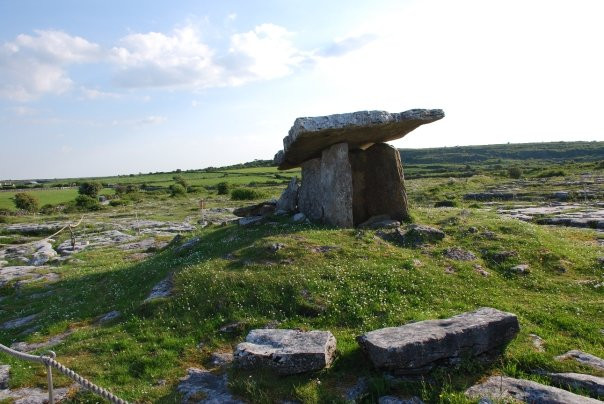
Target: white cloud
[146, 121]
[95, 94]
[31, 66]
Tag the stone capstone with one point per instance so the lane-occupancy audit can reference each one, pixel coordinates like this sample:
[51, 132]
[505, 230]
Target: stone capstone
[308, 137]
[286, 351]
[288, 202]
[418, 347]
[507, 389]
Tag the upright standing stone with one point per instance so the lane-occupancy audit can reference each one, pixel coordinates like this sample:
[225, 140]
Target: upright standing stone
[336, 186]
[378, 184]
[288, 202]
[309, 195]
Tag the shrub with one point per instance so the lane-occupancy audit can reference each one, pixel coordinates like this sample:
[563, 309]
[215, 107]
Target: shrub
[245, 194]
[25, 201]
[445, 204]
[85, 202]
[180, 180]
[223, 188]
[48, 209]
[177, 190]
[551, 173]
[118, 202]
[515, 172]
[600, 165]
[90, 189]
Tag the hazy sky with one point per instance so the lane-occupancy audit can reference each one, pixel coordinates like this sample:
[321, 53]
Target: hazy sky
[116, 87]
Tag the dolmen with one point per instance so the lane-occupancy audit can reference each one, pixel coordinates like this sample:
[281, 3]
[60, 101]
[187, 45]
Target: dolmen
[417, 348]
[349, 174]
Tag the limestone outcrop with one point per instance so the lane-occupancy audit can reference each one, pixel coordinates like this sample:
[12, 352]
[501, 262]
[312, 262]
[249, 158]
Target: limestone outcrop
[417, 347]
[348, 174]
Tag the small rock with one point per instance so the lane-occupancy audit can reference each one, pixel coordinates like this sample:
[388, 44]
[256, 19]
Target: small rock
[162, 289]
[251, 220]
[28, 347]
[417, 263]
[397, 400]
[508, 389]
[357, 392]
[286, 351]
[501, 256]
[112, 315]
[4, 376]
[417, 347]
[233, 328]
[299, 217]
[489, 235]
[188, 245]
[450, 270]
[592, 384]
[419, 234]
[473, 230]
[584, 359]
[538, 342]
[380, 222]
[261, 209]
[18, 322]
[276, 247]
[458, 254]
[201, 386]
[288, 201]
[323, 249]
[481, 271]
[521, 269]
[221, 358]
[30, 395]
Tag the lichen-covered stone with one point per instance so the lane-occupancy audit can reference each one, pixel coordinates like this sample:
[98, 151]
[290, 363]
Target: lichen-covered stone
[288, 202]
[286, 351]
[336, 186]
[418, 347]
[309, 195]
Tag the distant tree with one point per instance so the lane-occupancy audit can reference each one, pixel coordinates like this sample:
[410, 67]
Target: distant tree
[25, 201]
[515, 172]
[90, 189]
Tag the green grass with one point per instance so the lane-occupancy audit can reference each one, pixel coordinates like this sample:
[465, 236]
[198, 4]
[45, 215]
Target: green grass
[363, 284]
[45, 196]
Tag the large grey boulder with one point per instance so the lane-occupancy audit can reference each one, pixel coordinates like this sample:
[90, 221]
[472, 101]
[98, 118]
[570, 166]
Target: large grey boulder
[286, 351]
[43, 253]
[308, 137]
[32, 395]
[418, 347]
[592, 384]
[288, 202]
[336, 186]
[508, 389]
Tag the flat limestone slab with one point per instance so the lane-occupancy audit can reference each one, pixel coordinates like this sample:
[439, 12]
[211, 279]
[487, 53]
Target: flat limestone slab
[309, 136]
[507, 389]
[593, 384]
[418, 347]
[286, 351]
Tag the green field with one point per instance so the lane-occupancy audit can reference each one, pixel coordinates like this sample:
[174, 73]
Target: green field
[364, 280]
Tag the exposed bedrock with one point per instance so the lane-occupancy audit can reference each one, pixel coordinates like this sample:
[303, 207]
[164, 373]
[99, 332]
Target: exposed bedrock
[418, 347]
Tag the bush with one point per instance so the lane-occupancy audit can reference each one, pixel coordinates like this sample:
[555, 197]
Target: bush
[177, 190]
[445, 204]
[118, 202]
[245, 194]
[551, 173]
[223, 188]
[180, 180]
[515, 172]
[48, 209]
[85, 202]
[90, 189]
[26, 202]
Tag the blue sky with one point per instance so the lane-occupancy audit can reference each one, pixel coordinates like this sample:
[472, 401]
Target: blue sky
[106, 87]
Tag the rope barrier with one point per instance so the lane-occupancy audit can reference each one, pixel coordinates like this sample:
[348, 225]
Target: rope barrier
[50, 362]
